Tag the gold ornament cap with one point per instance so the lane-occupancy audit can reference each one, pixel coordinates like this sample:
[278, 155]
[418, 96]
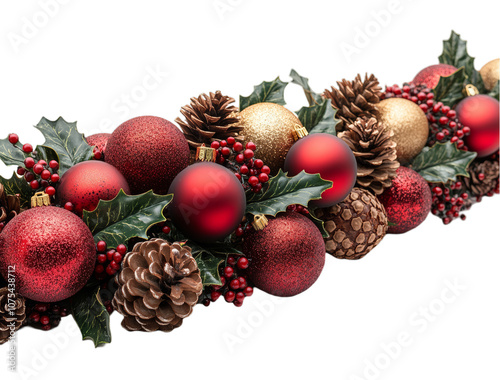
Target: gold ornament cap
[471, 90]
[299, 132]
[205, 154]
[40, 199]
[260, 222]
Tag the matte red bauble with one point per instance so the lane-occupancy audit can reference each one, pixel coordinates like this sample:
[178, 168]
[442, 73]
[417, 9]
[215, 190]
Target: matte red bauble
[407, 202]
[431, 74]
[88, 182]
[330, 157]
[209, 202]
[287, 256]
[52, 250]
[149, 151]
[481, 114]
[99, 140]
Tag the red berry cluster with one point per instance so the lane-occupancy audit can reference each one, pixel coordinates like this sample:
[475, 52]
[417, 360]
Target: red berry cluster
[251, 172]
[108, 260]
[234, 286]
[448, 201]
[443, 122]
[38, 173]
[45, 316]
[98, 154]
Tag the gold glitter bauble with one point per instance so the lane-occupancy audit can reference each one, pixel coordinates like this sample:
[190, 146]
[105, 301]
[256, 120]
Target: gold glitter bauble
[490, 73]
[270, 126]
[409, 124]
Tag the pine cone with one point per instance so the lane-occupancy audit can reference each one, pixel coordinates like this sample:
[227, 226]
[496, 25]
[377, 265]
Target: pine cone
[10, 205]
[355, 99]
[375, 153]
[158, 286]
[483, 177]
[210, 118]
[12, 313]
[356, 225]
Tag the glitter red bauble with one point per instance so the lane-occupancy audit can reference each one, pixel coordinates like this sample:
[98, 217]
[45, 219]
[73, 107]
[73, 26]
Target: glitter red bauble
[481, 114]
[209, 202]
[330, 157]
[149, 151]
[87, 182]
[287, 256]
[431, 74]
[407, 202]
[52, 250]
[99, 140]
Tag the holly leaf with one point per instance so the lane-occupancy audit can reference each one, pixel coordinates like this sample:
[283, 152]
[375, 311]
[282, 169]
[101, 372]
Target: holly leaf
[449, 89]
[319, 118]
[283, 191]
[126, 216]
[319, 223]
[46, 153]
[11, 154]
[443, 162]
[66, 141]
[312, 97]
[270, 92]
[18, 185]
[494, 93]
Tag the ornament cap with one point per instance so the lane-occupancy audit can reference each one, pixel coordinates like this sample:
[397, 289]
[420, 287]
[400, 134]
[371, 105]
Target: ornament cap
[471, 90]
[260, 222]
[299, 132]
[206, 154]
[40, 199]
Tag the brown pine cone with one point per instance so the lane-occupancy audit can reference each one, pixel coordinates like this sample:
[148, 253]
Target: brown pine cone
[356, 225]
[158, 286]
[12, 313]
[355, 99]
[210, 118]
[483, 177]
[375, 153]
[10, 205]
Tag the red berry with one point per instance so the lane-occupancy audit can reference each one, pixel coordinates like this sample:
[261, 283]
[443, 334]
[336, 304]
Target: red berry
[110, 254]
[38, 169]
[44, 320]
[45, 174]
[226, 151]
[122, 249]
[248, 153]
[215, 145]
[54, 178]
[250, 145]
[263, 177]
[253, 181]
[238, 176]
[54, 164]
[243, 282]
[69, 206]
[265, 169]
[228, 272]
[34, 184]
[240, 158]
[117, 257]
[231, 261]
[237, 303]
[13, 138]
[29, 162]
[231, 140]
[166, 230]
[238, 147]
[21, 170]
[240, 296]
[243, 263]
[110, 271]
[99, 269]
[214, 296]
[229, 296]
[114, 264]
[50, 191]
[239, 231]
[35, 317]
[244, 169]
[42, 162]
[223, 143]
[29, 176]
[234, 284]
[248, 291]
[27, 148]
[439, 136]
[257, 188]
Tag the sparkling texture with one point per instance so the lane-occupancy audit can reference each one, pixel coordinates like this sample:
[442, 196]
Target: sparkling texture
[408, 202]
[99, 140]
[149, 151]
[286, 257]
[490, 73]
[52, 250]
[431, 74]
[270, 126]
[409, 124]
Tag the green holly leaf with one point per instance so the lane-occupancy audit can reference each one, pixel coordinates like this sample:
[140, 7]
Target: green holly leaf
[270, 92]
[46, 153]
[91, 316]
[312, 97]
[18, 185]
[443, 162]
[66, 141]
[283, 191]
[319, 223]
[449, 90]
[11, 154]
[126, 216]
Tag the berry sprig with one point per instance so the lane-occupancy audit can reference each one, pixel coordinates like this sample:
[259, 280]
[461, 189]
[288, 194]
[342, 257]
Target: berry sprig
[45, 316]
[108, 261]
[448, 201]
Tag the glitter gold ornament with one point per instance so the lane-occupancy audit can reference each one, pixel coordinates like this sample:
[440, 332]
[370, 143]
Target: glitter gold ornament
[490, 73]
[409, 124]
[271, 127]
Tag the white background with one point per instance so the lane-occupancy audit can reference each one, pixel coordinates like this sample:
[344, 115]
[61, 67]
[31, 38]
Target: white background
[85, 56]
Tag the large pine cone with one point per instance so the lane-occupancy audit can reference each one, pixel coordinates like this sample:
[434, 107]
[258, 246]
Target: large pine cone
[355, 99]
[375, 153]
[483, 177]
[158, 286]
[12, 314]
[356, 225]
[209, 118]
[10, 205]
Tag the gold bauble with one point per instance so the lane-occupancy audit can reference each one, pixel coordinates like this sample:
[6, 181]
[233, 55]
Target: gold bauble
[490, 73]
[271, 127]
[409, 124]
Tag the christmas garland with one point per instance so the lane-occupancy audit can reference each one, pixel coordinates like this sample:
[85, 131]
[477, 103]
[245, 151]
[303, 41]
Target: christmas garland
[151, 221]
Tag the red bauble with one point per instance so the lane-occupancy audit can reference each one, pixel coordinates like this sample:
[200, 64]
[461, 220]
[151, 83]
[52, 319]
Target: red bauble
[287, 256]
[407, 202]
[330, 157]
[431, 74]
[87, 182]
[149, 151]
[99, 140]
[52, 250]
[209, 202]
[480, 113]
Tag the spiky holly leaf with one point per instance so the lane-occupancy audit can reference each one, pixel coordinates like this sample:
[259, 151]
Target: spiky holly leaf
[270, 92]
[312, 97]
[91, 316]
[283, 191]
[66, 141]
[18, 185]
[126, 216]
[443, 162]
[11, 154]
[319, 223]
[449, 90]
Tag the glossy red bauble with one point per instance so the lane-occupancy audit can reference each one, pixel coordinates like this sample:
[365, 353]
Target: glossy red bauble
[209, 202]
[330, 157]
[431, 74]
[407, 202]
[481, 114]
[99, 140]
[287, 256]
[149, 151]
[52, 252]
[88, 182]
